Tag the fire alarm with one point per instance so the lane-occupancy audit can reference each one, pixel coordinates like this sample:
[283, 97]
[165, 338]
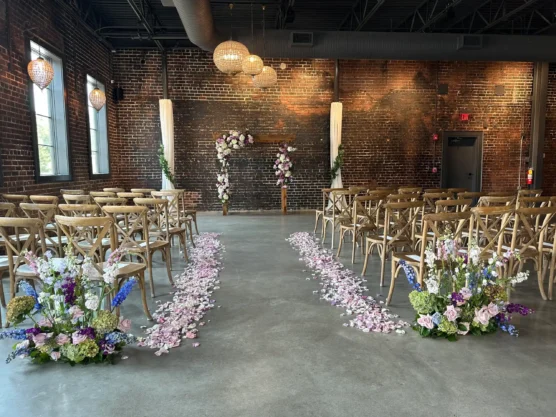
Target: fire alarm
[464, 117]
[434, 170]
[435, 136]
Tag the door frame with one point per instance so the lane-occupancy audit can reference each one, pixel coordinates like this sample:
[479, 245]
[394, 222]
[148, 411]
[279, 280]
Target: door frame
[478, 155]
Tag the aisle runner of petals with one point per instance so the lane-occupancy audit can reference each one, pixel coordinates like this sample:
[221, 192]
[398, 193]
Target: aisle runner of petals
[180, 318]
[343, 289]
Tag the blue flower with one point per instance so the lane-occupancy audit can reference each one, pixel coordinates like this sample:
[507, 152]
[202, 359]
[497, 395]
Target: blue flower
[17, 352]
[437, 318]
[124, 292]
[510, 329]
[114, 338]
[16, 334]
[410, 274]
[29, 290]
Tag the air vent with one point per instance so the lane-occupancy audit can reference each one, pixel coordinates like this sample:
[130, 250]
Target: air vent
[470, 42]
[301, 38]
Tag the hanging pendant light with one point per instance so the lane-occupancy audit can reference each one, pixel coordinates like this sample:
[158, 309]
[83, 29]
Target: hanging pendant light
[41, 72]
[267, 77]
[252, 64]
[97, 98]
[228, 56]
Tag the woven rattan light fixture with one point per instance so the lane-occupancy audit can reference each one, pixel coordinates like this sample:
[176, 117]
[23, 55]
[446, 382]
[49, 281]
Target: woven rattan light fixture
[97, 98]
[252, 64]
[41, 72]
[229, 55]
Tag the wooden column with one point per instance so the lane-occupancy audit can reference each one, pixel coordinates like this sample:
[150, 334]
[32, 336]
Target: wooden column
[284, 200]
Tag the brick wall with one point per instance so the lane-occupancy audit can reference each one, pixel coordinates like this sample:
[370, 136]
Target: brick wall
[59, 29]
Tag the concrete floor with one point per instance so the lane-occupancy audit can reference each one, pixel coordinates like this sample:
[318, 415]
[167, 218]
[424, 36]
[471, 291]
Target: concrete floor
[274, 349]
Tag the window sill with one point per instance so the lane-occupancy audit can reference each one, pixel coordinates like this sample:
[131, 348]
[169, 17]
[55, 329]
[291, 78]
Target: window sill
[99, 176]
[41, 179]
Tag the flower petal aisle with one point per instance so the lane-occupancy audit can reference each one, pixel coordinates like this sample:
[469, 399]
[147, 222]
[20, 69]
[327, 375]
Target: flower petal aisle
[180, 318]
[344, 289]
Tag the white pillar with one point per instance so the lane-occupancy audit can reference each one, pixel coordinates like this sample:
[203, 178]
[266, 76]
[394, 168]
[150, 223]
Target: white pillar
[335, 138]
[167, 129]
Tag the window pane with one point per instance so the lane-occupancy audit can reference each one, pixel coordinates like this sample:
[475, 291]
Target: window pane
[46, 160]
[92, 117]
[44, 132]
[94, 140]
[98, 132]
[41, 98]
[94, 161]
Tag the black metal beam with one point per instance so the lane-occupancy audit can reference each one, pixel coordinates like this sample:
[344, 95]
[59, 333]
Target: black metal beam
[471, 15]
[432, 18]
[87, 15]
[502, 15]
[359, 14]
[143, 20]
[281, 16]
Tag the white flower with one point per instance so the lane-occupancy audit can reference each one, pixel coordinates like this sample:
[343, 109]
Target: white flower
[226, 196]
[91, 301]
[288, 174]
[520, 277]
[277, 155]
[432, 286]
[242, 137]
[282, 158]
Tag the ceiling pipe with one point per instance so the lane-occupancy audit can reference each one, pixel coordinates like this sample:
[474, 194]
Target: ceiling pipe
[196, 17]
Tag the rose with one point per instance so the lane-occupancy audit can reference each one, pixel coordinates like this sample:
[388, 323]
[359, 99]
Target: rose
[482, 316]
[39, 339]
[466, 293]
[425, 321]
[125, 325]
[451, 313]
[464, 332]
[55, 356]
[78, 338]
[62, 339]
[492, 309]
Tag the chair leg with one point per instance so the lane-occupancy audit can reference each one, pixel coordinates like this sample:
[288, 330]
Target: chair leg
[354, 246]
[150, 266]
[367, 251]
[540, 278]
[183, 243]
[383, 265]
[317, 217]
[188, 225]
[551, 276]
[342, 235]
[194, 216]
[144, 296]
[392, 282]
[168, 261]
[324, 224]
[333, 234]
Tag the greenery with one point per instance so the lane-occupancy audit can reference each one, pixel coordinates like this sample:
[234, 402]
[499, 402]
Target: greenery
[164, 165]
[338, 163]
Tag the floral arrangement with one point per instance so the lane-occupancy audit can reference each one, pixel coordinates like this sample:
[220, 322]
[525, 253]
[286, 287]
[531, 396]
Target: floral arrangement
[164, 165]
[224, 146]
[284, 165]
[463, 294]
[338, 163]
[69, 324]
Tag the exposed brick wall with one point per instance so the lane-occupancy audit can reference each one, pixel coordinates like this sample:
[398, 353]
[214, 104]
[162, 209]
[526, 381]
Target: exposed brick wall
[61, 30]
[549, 166]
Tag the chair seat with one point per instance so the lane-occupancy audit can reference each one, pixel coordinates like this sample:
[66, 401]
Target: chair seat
[85, 244]
[16, 238]
[176, 230]
[126, 269]
[24, 270]
[412, 258]
[142, 245]
[53, 240]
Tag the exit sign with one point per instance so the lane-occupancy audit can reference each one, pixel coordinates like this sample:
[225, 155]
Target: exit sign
[464, 117]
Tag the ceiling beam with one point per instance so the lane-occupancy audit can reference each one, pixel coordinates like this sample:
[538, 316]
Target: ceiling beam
[432, 18]
[360, 13]
[87, 15]
[503, 15]
[471, 15]
[143, 20]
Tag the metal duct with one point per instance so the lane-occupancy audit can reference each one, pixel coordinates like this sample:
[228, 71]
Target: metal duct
[196, 17]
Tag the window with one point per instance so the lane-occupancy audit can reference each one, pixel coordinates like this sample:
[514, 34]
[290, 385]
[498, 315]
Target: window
[50, 121]
[98, 132]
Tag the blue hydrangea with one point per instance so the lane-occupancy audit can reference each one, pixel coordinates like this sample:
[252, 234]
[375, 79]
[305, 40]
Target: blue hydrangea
[118, 337]
[16, 334]
[17, 352]
[120, 297]
[437, 318]
[29, 290]
[410, 274]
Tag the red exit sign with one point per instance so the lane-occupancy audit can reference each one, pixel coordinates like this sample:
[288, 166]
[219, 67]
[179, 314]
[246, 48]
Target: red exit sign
[464, 117]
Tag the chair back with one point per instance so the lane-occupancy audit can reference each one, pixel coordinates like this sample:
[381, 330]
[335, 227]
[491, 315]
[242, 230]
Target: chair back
[457, 191]
[453, 206]
[532, 202]
[400, 222]
[130, 196]
[502, 194]
[45, 213]
[492, 201]
[366, 210]
[529, 193]
[144, 191]
[157, 215]
[327, 197]
[7, 210]
[471, 194]
[28, 232]
[392, 198]
[127, 223]
[176, 205]
[410, 190]
[114, 190]
[487, 228]
[79, 210]
[15, 198]
[431, 198]
[77, 199]
[71, 192]
[110, 201]
[95, 194]
[435, 190]
[531, 228]
[441, 223]
[44, 199]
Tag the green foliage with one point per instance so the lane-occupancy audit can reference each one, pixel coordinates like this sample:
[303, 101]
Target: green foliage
[164, 165]
[338, 163]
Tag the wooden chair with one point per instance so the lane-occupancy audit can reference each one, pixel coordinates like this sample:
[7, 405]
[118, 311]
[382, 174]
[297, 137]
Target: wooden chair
[502, 194]
[7, 210]
[46, 212]
[533, 202]
[136, 236]
[72, 192]
[430, 200]
[179, 225]
[453, 206]
[95, 194]
[77, 199]
[144, 191]
[110, 201]
[114, 190]
[398, 198]
[130, 196]
[435, 190]
[87, 234]
[44, 199]
[16, 199]
[410, 190]
[435, 225]
[365, 215]
[326, 197]
[457, 191]
[11, 210]
[493, 201]
[79, 210]
[339, 212]
[487, 227]
[529, 193]
[398, 232]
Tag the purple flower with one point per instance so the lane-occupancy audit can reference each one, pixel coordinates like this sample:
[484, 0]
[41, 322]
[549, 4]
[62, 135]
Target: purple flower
[88, 331]
[33, 331]
[457, 299]
[68, 289]
[518, 308]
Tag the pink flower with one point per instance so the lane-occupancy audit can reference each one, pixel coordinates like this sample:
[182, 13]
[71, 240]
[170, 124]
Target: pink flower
[76, 313]
[492, 309]
[482, 316]
[62, 339]
[78, 338]
[44, 322]
[466, 328]
[425, 321]
[55, 356]
[466, 293]
[451, 313]
[125, 325]
[191, 335]
[39, 339]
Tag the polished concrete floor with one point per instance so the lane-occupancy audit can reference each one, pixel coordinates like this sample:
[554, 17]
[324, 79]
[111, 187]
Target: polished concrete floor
[273, 349]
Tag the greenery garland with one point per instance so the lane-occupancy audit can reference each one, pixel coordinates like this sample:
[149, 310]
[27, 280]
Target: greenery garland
[338, 163]
[164, 164]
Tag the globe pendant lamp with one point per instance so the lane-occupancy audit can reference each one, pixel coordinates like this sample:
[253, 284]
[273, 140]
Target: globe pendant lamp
[41, 72]
[252, 64]
[97, 98]
[228, 56]
[267, 78]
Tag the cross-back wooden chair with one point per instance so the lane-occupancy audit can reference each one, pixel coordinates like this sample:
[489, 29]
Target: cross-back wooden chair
[453, 206]
[79, 210]
[77, 199]
[435, 226]
[179, 225]
[190, 212]
[7, 210]
[16, 199]
[16, 246]
[410, 190]
[338, 212]
[130, 196]
[532, 202]
[532, 227]
[435, 190]
[11, 210]
[133, 232]
[46, 212]
[44, 199]
[95, 194]
[114, 190]
[493, 201]
[326, 206]
[71, 192]
[397, 198]
[398, 232]
[457, 191]
[365, 216]
[87, 235]
[529, 193]
[502, 194]
[430, 200]
[110, 201]
[487, 228]
[145, 191]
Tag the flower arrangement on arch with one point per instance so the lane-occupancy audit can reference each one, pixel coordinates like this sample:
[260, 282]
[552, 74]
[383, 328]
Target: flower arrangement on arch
[283, 165]
[224, 145]
[69, 322]
[463, 295]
